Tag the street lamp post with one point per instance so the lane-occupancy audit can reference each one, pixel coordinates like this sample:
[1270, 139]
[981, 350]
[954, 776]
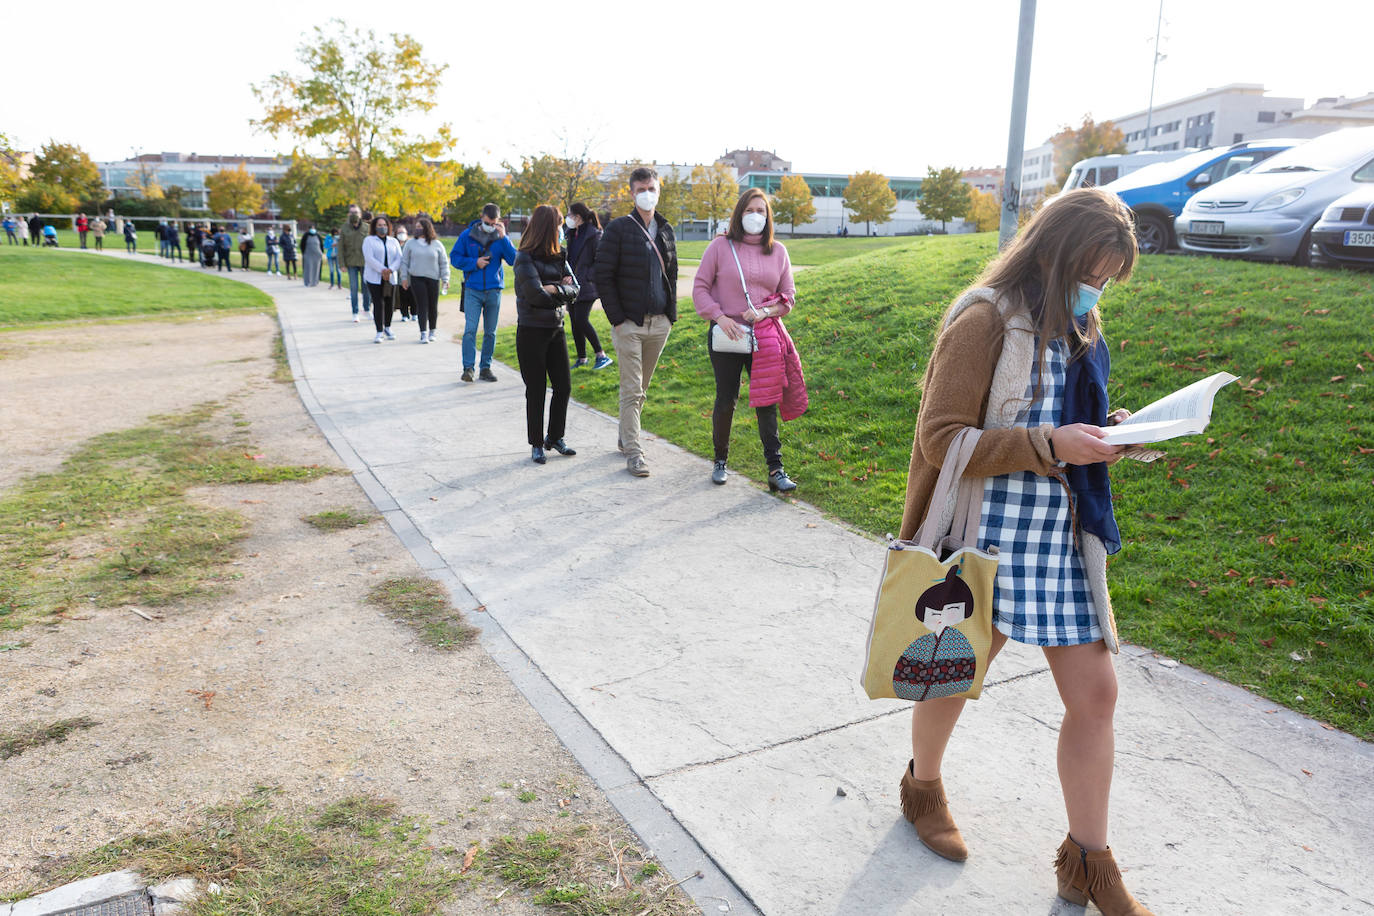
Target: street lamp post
[1016, 135]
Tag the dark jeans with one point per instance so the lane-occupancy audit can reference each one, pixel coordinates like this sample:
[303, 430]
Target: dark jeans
[727, 368]
[83, 237]
[290, 266]
[243, 259]
[382, 306]
[129, 246]
[583, 332]
[424, 291]
[100, 243]
[543, 354]
[171, 247]
[222, 255]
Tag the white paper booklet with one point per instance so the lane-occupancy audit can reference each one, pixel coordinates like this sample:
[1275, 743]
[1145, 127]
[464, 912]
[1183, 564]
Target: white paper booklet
[1186, 412]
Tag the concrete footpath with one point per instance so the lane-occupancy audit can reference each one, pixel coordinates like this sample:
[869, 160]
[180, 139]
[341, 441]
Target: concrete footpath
[697, 647]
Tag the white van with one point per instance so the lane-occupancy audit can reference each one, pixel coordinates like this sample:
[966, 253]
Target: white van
[1100, 170]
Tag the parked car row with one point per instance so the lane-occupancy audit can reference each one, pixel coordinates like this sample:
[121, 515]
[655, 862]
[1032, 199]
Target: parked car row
[1276, 200]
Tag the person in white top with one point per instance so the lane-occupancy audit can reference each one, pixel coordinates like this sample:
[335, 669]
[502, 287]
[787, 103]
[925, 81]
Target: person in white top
[381, 269]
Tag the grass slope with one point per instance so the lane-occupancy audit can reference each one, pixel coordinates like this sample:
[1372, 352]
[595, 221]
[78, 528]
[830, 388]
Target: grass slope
[43, 285]
[812, 252]
[1248, 550]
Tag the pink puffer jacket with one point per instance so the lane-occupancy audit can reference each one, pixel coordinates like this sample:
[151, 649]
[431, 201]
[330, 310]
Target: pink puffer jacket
[775, 376]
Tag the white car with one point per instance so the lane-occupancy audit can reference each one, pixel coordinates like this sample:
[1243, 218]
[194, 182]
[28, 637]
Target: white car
[1267, 213]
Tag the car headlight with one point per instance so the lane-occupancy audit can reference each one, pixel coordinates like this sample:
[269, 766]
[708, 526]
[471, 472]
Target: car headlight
[1332, 215]
[1281, 199]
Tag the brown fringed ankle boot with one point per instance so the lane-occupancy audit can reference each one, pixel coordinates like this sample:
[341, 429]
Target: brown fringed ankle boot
[925, 805]
[1086, 875]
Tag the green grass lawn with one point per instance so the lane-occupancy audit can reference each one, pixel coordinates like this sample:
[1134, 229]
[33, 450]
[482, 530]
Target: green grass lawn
[1248, 551]
[43, 285]
[816, 251]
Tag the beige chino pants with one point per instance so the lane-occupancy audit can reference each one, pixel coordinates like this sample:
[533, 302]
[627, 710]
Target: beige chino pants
[636, 352]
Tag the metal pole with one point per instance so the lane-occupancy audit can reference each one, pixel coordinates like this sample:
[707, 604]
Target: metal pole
[1154, 67]
[1016, 135]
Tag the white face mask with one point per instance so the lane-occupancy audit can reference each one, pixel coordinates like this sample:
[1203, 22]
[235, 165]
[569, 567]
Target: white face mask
[754, 223]
[570, 222]
[646, 200]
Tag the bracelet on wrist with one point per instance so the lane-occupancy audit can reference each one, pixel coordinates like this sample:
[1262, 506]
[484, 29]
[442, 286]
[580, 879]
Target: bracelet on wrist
[1050, 439]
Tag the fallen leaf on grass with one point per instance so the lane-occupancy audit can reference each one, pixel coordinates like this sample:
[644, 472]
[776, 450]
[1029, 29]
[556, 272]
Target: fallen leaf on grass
[1232, 574]
[1269, 539]
[1338, 378]
[1268, 643]
[1223, 635]
[205, 696]
[1364, 451]
[1318, 600]
[1297, 656]
[1362, 685]
[1322, 644]
[468, 857]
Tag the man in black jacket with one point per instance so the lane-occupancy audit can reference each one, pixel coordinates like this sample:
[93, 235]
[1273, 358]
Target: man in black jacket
[636, 275]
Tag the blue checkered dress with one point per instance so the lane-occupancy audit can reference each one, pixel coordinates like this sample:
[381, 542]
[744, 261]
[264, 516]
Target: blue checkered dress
[1041, 596]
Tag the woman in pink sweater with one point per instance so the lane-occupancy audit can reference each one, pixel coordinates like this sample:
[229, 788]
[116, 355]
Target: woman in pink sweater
[745, 277]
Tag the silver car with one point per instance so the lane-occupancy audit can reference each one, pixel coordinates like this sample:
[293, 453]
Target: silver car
[1267, 213]
[1344, 235]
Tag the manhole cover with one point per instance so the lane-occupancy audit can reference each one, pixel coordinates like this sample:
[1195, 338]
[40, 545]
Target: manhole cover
[134, 904]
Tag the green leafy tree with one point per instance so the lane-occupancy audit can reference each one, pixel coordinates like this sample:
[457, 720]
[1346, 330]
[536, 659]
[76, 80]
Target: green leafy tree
[616, 195]
[792, 204]
[869, 197]
[674, 196]
[356, 103]
[984, 210]
[714, 193]
[45, 197]
[234, 190]
[1073, 144]
[308, 191]
[9, 170]
[550, 179]
[944, 196]
[144, 180]
[69, 174]
[476, 190]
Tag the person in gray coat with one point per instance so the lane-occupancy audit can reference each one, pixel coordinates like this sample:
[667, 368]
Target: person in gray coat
[425, 272]
[312, 257]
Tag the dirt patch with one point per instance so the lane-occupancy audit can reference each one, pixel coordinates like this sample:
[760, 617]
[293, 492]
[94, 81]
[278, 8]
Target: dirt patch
[291, 679]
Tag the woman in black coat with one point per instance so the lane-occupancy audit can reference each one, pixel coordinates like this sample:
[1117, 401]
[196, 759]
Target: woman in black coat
[584, 232]
[544, 288]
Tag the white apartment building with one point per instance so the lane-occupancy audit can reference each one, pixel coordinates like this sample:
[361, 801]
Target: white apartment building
[1217, 117]
[1037, 174]
[1325, 115]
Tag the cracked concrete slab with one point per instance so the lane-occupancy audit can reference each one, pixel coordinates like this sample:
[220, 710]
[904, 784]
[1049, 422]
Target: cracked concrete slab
[709, 639]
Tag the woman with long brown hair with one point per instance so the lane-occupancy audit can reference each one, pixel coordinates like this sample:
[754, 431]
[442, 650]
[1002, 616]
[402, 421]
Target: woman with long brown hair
[743, 288]
[424, 271]
[584, 234]
[1020, 355]
[544, 288]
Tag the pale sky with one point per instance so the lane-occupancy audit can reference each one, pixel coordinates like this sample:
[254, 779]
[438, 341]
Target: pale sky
[833, 87]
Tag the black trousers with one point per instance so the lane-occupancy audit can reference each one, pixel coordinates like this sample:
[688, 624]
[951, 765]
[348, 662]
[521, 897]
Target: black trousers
[243, 258]
[382, 306]
[583, 332]
[424, 293]
[290, 266]
[405, 302]
[543, 354]
[727, 368]
[173, 246]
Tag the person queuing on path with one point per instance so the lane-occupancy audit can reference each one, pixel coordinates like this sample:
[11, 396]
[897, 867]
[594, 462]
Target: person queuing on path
[351, 235]
[36, 229]
[98, 227]
[209, 248]
[1020, 355]
[312, 256]
[405, 303]
[382, 264]
[544, 288]
[272, 247]
[223, 245]
[636, 277]
[584, 233]
[173, 235]
[21, 226]
[331, 257]
[161, 232]
[130, 237]
[246, 246]
[424, 272]
[83, 226]
[10, 236]
[288, 251]
[193, 237]
[479, 253]
[747, 298]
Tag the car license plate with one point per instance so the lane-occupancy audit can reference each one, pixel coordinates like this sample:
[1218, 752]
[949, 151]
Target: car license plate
[1206, 227]
[1359, 238]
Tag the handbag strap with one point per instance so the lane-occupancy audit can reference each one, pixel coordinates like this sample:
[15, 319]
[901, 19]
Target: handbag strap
[968, 495]
[740, 267]
[654, 245]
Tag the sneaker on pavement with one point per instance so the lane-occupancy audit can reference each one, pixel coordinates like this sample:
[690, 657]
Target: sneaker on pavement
[487, 375]
[602, 362]
[355, 319]
[431, 337]
[389, 335]
[379, 338]
[779, 482]
[718, 473]
[637, 466]
[424, 338]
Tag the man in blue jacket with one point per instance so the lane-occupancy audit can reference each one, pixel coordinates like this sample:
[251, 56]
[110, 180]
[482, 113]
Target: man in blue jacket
[478, 253]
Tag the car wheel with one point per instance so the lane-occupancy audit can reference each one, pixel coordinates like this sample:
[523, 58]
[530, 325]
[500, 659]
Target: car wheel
[1151, 233]
[1303, 257]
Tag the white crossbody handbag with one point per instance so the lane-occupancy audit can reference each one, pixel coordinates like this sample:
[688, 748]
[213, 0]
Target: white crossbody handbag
[720, 341]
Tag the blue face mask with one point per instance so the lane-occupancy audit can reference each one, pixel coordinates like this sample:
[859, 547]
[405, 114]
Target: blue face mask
[1087, 297]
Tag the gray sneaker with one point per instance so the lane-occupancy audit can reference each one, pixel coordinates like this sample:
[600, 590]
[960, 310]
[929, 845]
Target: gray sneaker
[637, 466]
[718, 473]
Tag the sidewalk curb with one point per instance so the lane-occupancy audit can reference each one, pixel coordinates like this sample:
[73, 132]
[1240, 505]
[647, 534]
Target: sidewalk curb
[660, 830]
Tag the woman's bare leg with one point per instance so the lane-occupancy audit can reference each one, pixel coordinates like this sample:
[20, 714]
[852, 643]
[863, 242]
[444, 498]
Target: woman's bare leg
[1086, 680]
[932, 722]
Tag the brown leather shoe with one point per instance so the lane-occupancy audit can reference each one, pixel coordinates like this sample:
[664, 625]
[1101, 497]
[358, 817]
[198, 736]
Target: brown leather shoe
[1092, 875]
[925, 805]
